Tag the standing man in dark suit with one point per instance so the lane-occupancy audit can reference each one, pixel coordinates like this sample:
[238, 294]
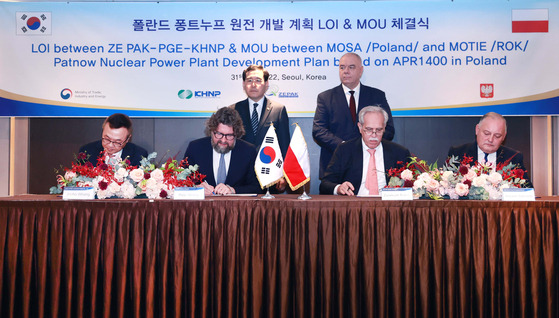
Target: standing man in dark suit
[115, 143]
[359, 166]
[257, 112]
[225, 159]
[335, 118]
[488, 147]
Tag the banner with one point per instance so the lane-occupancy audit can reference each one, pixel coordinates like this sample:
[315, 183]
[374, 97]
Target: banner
[186, 59]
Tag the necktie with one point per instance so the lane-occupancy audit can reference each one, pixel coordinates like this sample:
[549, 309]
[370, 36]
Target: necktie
[221, 175]
[486, 155]
[371, 181]
[352, 106]
[254, 119]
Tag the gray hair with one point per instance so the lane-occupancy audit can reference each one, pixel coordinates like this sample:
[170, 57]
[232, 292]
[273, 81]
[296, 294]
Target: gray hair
[494, 115]
[373, 109]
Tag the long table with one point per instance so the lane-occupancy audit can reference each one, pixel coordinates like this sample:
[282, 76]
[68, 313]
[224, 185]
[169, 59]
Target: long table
[249, 257]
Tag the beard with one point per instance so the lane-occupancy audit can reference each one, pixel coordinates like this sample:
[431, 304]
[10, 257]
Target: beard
[219, 149]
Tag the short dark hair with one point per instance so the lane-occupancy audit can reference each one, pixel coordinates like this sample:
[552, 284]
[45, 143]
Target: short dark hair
[227, 116]
[119, 120]
[255, 67]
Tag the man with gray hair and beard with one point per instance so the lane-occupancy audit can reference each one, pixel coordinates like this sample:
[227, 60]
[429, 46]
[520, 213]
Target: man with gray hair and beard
[359, 166]
[226, 160]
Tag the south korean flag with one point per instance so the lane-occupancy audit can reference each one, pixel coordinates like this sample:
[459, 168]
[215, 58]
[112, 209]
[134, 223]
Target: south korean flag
[33, 23]
[269, 161]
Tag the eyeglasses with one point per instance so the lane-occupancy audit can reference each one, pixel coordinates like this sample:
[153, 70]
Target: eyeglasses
[370, 131]
[219, 135]
[254, 80]
[115, 143]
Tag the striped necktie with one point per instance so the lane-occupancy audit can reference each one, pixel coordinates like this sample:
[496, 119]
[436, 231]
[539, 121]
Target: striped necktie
[254, 119]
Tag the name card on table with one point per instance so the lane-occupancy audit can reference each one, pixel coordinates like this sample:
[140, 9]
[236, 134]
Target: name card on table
[519, 194]
[185, 193]
[78, 193]
[397, 194]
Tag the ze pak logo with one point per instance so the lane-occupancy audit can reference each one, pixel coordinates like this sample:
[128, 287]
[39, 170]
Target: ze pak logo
[33, 23]
[486, 90]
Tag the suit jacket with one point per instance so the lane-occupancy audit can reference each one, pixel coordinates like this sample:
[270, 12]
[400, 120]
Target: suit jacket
[503, 154]
[347, 164]
[130, 150]
[270, 112]
[333, 124]
[240, 176]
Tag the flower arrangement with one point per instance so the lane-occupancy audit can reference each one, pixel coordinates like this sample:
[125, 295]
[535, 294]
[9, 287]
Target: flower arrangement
[457, 179]
[122, 180]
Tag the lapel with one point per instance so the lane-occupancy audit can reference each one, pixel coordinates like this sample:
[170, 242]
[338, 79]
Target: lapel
[231, 176]
[208, 153]
[245, 110]
[343, 107]
[358, 163]
[265, 113]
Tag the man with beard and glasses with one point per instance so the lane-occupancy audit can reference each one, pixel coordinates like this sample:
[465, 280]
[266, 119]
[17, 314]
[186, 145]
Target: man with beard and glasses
[225, 159]
[359, 166]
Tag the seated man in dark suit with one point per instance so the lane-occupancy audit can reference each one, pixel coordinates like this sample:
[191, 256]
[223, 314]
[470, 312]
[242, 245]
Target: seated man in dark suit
[488, 147]
[225, 159]
[115, 142]
[359, 166]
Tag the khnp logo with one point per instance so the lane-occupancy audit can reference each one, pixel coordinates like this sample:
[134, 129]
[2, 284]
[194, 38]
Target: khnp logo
[185, 94]
[66, 93]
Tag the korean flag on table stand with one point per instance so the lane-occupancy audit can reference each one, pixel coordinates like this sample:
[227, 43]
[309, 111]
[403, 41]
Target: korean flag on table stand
[269, 162]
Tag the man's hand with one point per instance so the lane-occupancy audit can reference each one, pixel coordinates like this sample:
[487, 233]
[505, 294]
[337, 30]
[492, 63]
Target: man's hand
[346, 188]
[222, 189]
[208, 189]
[280, 186]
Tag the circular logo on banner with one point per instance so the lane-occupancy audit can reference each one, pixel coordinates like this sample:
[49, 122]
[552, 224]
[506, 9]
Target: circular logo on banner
[33, 23]
[185, 94]
[66, 93]
[267, 155]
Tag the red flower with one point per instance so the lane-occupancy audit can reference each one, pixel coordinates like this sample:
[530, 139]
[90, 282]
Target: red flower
[468, 183]
[163, 194]
[82, 156]
[103, 185]
[408, 184]
[463, 169]
[147, 175]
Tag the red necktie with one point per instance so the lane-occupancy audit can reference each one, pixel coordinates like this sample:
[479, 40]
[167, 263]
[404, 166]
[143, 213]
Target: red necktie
[352, 109]
[371, 181]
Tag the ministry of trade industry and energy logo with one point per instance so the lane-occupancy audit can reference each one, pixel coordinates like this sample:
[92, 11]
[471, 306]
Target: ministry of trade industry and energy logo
[33, 23]
[188, 94]
[66, 93]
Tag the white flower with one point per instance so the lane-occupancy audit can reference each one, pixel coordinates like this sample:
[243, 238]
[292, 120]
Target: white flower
[470, 175]
[446, 175]
[113, 188]
[137, 175]
[127, 190]
[419, 183]
[120, 174]
[69, 175]
[425, 176]
[479, 181]
[157, 174]
[407, 174]
[505, 185]
[462, 189]
[494, 194]
[495, 178]
[432, 185]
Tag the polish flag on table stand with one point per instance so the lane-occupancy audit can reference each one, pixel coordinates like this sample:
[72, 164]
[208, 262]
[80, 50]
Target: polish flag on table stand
[297, 167]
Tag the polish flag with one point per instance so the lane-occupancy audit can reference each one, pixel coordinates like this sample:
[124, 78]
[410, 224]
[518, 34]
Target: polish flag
[530, 20]
[297, 167]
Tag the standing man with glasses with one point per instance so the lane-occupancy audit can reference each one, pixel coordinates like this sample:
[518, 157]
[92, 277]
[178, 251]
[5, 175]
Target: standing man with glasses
[257, 112]
[359, 166]
[335, 118]
[115, 143]
[225, 159]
